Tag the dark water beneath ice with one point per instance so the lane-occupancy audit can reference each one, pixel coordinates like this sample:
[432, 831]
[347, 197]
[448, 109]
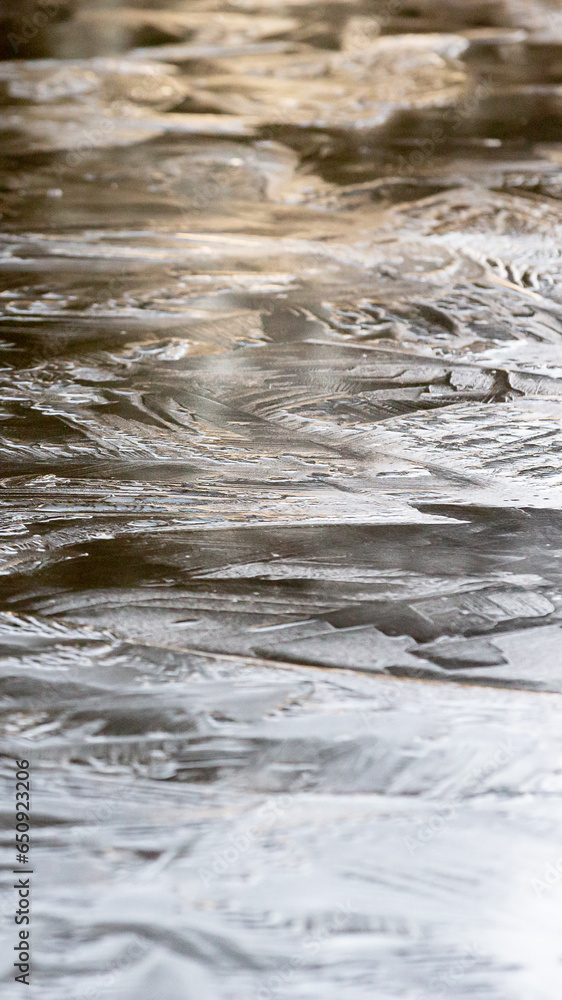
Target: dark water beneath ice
[281, 389]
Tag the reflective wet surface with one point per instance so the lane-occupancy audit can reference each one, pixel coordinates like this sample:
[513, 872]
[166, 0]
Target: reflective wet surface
[281, 388]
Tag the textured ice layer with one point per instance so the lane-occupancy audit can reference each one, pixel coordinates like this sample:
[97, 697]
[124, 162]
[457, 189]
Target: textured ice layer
[280, 507]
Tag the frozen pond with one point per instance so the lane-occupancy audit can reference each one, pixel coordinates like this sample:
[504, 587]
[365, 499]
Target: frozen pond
[281, 497]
